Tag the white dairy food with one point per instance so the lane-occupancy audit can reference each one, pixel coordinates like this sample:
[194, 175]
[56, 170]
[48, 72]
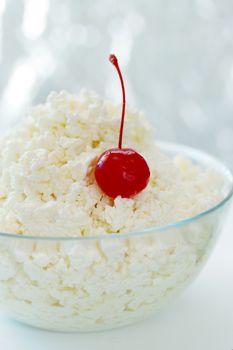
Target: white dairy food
[47, 188]
[47, 185]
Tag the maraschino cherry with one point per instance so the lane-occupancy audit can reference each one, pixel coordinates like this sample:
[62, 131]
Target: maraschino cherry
[121, 171]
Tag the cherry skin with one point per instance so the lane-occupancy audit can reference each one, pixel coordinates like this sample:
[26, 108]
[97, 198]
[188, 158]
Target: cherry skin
[122, 172]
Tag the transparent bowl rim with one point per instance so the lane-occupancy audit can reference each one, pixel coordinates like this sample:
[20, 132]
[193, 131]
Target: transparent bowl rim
[191, 153]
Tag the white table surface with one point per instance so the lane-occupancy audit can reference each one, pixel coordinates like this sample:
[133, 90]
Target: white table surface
[200, 319]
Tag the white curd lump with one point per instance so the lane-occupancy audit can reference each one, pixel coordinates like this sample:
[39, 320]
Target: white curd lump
[47, 188]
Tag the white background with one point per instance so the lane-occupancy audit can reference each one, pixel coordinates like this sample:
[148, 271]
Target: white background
[176, 58]
[200, 319]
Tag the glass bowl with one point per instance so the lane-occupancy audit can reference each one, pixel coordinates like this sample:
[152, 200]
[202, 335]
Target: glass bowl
[93, 283]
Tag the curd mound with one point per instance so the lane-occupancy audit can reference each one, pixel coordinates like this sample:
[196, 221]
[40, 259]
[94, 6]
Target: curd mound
[47, 185]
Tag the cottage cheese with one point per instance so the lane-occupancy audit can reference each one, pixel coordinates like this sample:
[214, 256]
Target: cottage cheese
[47, 188]
[47, 185]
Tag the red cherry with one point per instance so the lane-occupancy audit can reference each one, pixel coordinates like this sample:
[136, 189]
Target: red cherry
[121, 171]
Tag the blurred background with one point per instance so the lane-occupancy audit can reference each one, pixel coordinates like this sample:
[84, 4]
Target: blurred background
[176, 57]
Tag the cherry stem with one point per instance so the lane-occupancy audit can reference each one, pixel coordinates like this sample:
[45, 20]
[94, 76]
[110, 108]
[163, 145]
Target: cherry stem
[113, 60]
